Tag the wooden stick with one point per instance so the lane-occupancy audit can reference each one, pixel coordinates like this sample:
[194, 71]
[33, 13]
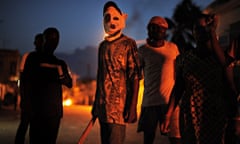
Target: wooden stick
[87, 130]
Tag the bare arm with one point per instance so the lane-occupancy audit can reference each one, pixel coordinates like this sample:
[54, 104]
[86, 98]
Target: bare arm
[130, 112]
[175, 97]
[63, 73]
[221, 57]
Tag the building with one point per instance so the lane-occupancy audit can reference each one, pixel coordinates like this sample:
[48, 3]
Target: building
[9, 64]
[9, 72]
[229, 20]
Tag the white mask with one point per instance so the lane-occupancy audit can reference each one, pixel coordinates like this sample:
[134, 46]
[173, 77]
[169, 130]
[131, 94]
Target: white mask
[114, 22]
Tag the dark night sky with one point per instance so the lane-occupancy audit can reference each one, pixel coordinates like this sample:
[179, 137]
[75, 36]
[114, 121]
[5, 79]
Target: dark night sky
[79, 21]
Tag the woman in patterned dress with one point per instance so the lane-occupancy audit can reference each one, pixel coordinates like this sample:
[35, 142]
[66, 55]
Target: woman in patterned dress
[201, 86]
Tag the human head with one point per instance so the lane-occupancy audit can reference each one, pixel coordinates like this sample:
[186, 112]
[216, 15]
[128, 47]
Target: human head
[113, 19]
[38, 41]
[157, 28]
[204, 24]
[51, 39]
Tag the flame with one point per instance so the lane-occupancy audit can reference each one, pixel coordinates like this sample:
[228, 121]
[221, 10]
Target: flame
[67, 102]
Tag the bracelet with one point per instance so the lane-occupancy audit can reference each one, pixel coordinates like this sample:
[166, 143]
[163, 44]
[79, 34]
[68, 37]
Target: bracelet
[61, 76]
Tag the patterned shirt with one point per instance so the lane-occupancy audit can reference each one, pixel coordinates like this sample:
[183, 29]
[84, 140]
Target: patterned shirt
[118, 66]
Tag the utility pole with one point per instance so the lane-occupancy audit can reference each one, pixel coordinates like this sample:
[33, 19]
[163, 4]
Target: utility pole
[1, 36]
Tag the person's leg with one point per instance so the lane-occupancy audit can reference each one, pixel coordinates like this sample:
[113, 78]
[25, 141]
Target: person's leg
[117, 133]
[105, 132]
[36, 133]
[148, 123]
[149, 137]
[174, 140]
[44, 130]
[112, 133]
[174, 134]
[237, 130]
[22, 129]
[230, 136]
[52, 128]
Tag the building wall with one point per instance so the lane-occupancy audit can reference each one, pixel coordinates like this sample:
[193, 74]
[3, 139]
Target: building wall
[9, 65]
[225, 29]
[229, 20]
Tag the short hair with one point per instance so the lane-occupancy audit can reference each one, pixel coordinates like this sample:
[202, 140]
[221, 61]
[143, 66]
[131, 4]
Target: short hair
[39, 36]
[50, 31]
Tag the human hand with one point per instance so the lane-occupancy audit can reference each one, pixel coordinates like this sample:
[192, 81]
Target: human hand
[60, 71]
[130, 116]
[212, 23]
[164, 127]
[94, 112]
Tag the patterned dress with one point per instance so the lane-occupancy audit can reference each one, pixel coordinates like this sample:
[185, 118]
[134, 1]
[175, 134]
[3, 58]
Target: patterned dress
[203, 105]
[118, 66]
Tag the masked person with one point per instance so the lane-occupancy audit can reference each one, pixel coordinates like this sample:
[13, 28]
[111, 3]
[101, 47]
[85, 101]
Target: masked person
[157, 59]
[201, 85]
[117, 78]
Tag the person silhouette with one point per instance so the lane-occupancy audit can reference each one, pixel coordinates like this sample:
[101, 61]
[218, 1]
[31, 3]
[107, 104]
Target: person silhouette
[45, 75]
[25, 98]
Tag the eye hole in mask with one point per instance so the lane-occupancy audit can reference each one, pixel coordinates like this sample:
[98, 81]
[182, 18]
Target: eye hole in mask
[107, 18]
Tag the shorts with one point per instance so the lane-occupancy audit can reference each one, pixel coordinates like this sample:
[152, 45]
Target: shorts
[112, 133]
[151, 118]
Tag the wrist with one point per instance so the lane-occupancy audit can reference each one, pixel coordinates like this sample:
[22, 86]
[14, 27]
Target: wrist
[61, 76]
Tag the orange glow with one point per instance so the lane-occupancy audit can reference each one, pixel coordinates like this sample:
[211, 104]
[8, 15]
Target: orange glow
[140, 95]
[67, 102]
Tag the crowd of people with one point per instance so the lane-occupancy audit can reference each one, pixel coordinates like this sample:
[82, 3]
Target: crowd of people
[191, 97]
